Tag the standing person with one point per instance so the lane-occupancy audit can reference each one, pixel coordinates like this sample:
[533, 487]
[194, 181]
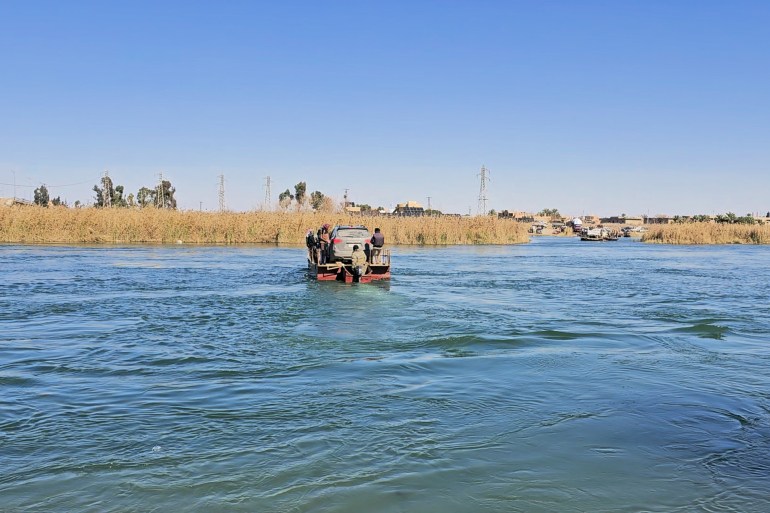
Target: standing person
[378, 240]
[323, 243]
[311, 245]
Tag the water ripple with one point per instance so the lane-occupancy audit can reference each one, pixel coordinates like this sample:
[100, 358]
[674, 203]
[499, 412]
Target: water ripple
[556, 376]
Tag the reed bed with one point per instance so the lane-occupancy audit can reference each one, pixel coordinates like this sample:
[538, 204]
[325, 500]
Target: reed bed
[708, 233]
[31, 224]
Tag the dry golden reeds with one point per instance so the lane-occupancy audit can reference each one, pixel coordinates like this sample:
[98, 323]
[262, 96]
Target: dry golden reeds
[32, 224]
[708, 233]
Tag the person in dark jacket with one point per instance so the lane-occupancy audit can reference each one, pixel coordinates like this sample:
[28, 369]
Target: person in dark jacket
[310, 241]
[377, 241]
[323, 244]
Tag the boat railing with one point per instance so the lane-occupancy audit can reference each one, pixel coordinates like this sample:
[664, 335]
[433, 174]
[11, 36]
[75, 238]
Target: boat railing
[382, 259]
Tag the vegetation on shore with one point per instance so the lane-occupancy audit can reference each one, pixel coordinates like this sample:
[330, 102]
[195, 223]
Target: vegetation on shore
[708, 233]
[33, 224]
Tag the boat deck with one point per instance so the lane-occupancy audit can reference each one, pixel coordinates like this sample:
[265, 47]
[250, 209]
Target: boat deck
[343, 271]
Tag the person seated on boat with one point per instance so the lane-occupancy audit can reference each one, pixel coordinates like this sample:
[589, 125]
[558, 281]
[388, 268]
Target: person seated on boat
[377, 241]
[323, 243]
[358, 261]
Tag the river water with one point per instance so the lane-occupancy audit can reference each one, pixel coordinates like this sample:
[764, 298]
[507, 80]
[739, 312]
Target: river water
[555, 376]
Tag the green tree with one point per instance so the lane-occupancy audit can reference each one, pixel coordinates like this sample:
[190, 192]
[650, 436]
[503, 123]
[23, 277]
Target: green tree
[108, 195]
[728, 218]
[57, 202]
[550, 212]
[145, 197]
[117, 197]
[104, 193]
[41, 196]
[164, 195]
[285, 199]
[317, 200]
[300, 189]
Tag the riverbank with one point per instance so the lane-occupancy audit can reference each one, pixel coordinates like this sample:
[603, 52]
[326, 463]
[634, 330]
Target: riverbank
[707, 233]
[31, 224]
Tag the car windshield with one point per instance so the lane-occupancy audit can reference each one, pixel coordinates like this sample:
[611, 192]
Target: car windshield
[353, 232]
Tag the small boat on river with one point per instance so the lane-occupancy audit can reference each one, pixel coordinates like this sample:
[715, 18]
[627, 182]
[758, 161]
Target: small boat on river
[597, 234]
[331, 254]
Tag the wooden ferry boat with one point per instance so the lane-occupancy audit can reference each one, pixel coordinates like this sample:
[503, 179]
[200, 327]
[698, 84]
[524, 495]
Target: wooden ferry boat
[343, 271]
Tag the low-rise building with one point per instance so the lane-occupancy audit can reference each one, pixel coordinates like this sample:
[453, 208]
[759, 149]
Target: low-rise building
[658, 219]
[410, 208]
[627, 220]
[517, 215]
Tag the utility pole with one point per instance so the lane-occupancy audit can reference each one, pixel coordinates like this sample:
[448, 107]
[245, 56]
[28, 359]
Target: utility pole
[14, 184]
[429, 209]
[200, 206]
[345, 199]
[161, 196]
[221, 193]
[106, 193]
[482, 208]
[268, 195]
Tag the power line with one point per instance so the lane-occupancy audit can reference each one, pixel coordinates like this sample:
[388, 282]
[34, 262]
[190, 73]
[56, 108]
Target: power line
[20, 185]
[97, 179]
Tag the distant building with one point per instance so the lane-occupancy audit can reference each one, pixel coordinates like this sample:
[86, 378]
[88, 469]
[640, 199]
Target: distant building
[629, 220]
[524, 217]
[409, 209]
[9, 202]
[658, 219]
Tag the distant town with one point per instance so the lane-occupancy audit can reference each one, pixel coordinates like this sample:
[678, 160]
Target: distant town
[415, 209]
[162, 195]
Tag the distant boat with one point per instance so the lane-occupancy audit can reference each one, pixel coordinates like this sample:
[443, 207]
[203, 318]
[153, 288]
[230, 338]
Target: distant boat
[597, 234]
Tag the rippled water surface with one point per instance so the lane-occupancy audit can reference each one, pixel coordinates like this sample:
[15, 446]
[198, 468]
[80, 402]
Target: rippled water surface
[555, 376]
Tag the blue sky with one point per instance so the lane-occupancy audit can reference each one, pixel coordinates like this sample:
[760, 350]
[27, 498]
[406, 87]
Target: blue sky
[607, 107]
